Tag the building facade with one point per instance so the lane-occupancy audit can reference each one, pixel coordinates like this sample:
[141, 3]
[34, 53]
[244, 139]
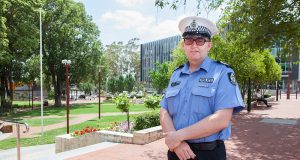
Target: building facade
[290, 68]
[156, 52]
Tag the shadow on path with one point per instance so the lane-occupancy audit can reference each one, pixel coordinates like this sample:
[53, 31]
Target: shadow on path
[252, 139]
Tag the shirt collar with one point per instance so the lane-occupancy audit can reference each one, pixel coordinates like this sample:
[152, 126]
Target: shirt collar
[204, 65]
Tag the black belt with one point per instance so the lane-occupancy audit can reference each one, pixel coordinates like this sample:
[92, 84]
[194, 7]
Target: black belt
[205, 146]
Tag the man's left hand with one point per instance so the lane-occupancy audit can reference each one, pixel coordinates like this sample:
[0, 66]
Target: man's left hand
[172, 140]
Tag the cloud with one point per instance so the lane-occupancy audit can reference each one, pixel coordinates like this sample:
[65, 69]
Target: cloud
[130, 3]
[145, 26]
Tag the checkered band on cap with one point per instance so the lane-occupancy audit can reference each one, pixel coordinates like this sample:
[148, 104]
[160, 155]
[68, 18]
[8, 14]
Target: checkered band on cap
[195, 28]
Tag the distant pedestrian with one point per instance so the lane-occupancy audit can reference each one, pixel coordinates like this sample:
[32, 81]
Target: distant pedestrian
[260, 98]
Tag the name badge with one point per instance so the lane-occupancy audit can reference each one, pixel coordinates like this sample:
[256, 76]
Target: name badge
[206, 80]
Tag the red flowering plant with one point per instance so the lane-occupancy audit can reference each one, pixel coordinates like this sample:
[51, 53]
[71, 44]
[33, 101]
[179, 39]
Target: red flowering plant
[85, 130]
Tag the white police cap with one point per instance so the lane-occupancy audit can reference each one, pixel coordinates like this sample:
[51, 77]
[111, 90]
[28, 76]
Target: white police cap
[197, 26]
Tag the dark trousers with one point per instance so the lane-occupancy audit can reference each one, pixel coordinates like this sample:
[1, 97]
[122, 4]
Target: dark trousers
[263, 100]
[219, 153]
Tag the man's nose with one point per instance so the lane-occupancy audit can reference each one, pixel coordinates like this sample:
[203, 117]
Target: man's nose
[194, 44]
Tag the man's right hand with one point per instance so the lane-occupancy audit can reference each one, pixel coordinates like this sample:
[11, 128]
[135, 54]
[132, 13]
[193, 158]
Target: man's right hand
[184, 152]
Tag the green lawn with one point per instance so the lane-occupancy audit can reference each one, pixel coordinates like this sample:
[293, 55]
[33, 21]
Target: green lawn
[49, 136]
[80, 109]
[47, 121]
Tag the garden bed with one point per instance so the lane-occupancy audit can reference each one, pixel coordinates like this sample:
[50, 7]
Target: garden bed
[68, 142]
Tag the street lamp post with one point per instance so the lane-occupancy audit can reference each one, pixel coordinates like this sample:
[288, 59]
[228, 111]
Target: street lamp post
[289, 78]
[67, 63]
[99, 111]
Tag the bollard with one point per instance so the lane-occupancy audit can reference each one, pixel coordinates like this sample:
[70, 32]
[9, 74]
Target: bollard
[18, 141]
[280, 94]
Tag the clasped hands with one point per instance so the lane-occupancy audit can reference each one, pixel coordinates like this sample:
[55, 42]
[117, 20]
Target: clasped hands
[180, 147]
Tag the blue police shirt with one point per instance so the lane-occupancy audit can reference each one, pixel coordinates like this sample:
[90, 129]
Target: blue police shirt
[190, 97]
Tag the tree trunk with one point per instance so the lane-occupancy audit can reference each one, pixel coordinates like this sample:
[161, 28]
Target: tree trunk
[32, 95]
[11, 93]
[57, 89]
[128, 123]
[2, 92]
[249, 96]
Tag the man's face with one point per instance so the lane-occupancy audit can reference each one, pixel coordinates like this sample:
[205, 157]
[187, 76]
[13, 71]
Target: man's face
[196, 48]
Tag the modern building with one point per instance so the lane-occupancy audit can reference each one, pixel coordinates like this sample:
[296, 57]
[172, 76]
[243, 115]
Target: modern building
[290, 68]
[156, 52]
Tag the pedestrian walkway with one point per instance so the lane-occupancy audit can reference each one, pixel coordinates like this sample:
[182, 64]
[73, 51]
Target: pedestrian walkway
[252, 138]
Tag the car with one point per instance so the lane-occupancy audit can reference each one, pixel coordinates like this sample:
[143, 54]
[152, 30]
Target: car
[81, 97]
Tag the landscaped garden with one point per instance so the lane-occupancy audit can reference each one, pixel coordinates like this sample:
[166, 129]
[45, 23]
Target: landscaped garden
[56, 115]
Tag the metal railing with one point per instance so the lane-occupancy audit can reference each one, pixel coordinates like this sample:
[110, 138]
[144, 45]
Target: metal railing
[18, 132]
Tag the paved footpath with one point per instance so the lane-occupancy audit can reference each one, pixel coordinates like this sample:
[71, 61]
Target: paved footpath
[264, 134]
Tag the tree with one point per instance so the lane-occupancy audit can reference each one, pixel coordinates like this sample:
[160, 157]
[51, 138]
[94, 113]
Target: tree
[123, 104]
[120, 84]
[123, 59]
[112, 84]
[86, 87]
[152, 102]
[265, 23]
[69, 33]
[201, 5]
[159, 77]
[129, 82]
[18, 40]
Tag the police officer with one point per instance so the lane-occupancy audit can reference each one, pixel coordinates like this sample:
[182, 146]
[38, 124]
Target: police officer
[200, 99]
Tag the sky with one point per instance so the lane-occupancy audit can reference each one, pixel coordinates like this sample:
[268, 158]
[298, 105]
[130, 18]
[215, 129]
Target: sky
[122, 20]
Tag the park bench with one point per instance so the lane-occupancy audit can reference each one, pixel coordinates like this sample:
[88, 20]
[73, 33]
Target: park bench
[256, 103]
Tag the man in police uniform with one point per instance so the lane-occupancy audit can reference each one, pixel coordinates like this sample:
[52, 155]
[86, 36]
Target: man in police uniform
[200, 99]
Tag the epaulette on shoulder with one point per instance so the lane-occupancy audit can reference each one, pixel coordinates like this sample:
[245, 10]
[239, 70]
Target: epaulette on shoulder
[178, 67]
[227, 65]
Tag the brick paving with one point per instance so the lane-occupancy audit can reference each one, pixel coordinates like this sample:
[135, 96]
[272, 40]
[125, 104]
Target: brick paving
[252, 138]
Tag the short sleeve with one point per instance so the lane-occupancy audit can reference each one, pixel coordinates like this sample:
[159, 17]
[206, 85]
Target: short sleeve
[228, 94]
[163, 102]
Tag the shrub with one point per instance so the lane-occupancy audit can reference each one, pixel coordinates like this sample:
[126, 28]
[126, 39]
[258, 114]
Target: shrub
[51, 95]
[152, 102]
[146, 120]
[123, 104]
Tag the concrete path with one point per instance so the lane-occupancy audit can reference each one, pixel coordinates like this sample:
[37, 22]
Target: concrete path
[47, 152]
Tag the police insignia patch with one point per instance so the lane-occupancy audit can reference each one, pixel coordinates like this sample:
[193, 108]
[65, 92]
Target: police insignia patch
[175, 83]
[232, 78]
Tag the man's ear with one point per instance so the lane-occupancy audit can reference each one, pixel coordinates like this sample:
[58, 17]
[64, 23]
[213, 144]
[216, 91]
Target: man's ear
[210, 45]
[182, 43]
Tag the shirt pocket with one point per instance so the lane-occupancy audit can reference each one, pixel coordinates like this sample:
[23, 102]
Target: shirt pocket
[172, 97]
[201, 101]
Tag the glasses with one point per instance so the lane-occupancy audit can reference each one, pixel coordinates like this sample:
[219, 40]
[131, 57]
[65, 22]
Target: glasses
[199, 41]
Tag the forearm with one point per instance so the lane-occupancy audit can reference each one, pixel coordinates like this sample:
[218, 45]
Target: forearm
[207, 126]
[166, 121]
